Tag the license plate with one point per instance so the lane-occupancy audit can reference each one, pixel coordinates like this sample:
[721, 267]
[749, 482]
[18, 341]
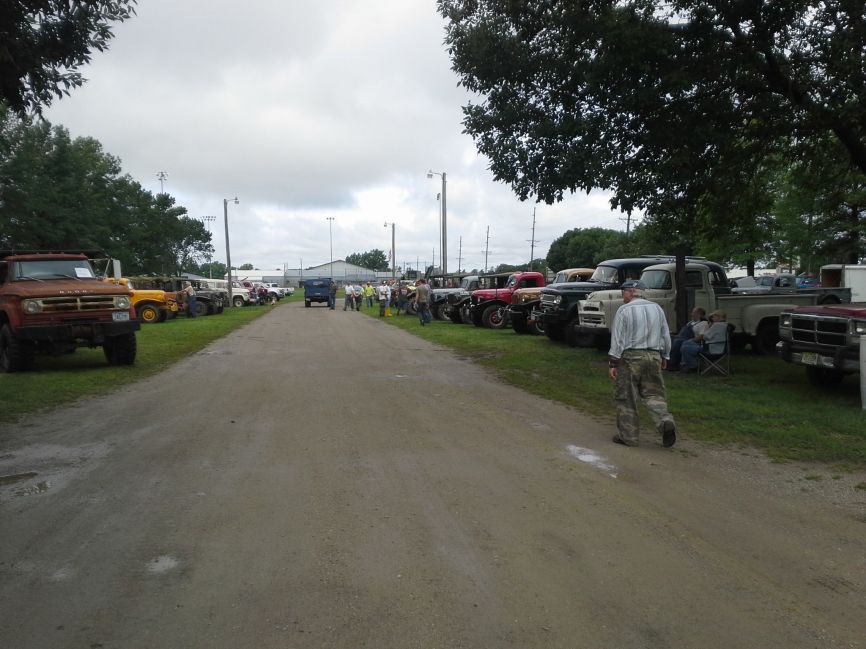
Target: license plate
[809, 358]
[120, 315]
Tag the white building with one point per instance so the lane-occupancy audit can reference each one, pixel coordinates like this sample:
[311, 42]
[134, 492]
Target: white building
[342, 273]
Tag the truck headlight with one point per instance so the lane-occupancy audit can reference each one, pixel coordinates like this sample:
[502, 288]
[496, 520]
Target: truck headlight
[557, 299]
[122, 302]
[858, 327]
[31, 306]
[785, 320]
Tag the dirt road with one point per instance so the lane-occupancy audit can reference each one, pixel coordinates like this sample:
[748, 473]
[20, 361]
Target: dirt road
[320, 479]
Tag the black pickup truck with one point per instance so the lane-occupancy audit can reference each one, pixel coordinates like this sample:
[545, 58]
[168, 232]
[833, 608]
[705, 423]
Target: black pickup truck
[557, 310]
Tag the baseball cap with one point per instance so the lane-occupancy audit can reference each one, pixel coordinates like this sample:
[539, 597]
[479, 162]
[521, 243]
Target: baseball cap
[633, 283]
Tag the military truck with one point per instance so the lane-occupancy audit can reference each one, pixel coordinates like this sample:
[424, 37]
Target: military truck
[316, 290]
[52, 302]
[755, 317]
[488, 306]
[525, 301]
[457, 306]
[439, 306]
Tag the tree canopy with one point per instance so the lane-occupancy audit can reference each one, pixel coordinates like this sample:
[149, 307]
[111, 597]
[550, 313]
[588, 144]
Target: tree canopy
[62, 193]
[659, 102]
[45, 42]
[373, 259]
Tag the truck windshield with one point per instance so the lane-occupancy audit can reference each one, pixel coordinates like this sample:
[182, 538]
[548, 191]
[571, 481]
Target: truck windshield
[54, 268]
[605, 275]
[657, 279]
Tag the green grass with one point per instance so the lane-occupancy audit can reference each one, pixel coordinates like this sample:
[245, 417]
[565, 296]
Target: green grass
[765, 403]
[61, 379]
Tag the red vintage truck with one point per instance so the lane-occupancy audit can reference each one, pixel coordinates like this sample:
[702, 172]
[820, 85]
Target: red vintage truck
[53, 302]
[488, 307]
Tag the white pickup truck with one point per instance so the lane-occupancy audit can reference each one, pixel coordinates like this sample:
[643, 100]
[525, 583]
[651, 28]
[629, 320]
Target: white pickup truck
[277, 291]
[755, 317]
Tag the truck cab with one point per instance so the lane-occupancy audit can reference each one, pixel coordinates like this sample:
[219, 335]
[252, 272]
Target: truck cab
[316, 290]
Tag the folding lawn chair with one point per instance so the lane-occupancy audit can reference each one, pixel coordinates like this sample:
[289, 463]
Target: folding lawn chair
[719, 362]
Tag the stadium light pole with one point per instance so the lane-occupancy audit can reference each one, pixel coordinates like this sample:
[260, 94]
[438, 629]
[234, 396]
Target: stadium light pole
[443, 245]
[226, 202]
[331, 240]
[393, 252]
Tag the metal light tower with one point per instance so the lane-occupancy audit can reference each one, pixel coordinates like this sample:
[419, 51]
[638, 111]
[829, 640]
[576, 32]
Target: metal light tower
[331, 239]
[226, 202]
[162, 176]
[443, 244]
[393, 252]
[207, 221]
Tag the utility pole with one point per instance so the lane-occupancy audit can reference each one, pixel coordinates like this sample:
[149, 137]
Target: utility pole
[486, 248]
[532, 241]
[460, 256]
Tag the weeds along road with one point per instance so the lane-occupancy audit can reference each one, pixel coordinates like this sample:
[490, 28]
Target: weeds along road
[320, 479]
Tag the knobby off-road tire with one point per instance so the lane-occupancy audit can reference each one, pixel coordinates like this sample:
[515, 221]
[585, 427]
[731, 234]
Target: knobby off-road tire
[455, 316]
[555, 331]
[200, 308]
[494, 317]
[15, 355]
[120, 350]
[518, 323]
[148, 313]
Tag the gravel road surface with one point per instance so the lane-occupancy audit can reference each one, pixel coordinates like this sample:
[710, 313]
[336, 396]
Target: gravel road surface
[321, 479]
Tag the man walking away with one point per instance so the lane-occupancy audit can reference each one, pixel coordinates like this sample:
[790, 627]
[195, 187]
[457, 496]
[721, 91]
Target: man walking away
[332, 295]
[639, 348]
[422, 301]
[384, 293]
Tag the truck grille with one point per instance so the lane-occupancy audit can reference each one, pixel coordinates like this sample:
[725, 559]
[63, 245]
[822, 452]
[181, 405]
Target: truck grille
[548, 298]
[77, 303]
[819, 330]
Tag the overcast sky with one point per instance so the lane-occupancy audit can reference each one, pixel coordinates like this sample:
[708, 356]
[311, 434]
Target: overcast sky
[304, 111]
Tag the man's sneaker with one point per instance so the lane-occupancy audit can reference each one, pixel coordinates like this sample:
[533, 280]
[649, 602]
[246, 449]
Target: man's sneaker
[669, 433]
[619, 440]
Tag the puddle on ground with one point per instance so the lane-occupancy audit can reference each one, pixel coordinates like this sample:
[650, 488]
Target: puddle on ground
[162, 564]
[591, 457]
[18, 477]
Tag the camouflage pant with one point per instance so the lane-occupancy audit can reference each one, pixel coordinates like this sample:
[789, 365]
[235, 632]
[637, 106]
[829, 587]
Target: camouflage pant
[639, 376]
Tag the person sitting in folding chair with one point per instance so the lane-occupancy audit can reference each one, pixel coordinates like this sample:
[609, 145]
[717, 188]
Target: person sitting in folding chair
[712, 342]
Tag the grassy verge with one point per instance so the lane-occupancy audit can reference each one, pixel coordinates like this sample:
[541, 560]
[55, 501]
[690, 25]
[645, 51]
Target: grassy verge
[61, 379]
[765, 403]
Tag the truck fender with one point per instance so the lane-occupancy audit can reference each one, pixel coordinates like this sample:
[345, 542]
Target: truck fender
[754, 316]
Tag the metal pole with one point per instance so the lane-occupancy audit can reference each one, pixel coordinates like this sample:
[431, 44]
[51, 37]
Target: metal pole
[393, 256]
[331, 239]
[444, 229]
[228, 250]
[863, 372]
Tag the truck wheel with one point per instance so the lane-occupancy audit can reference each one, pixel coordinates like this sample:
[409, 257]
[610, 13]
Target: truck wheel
[494, 316]
[576, 339]
[200, 308]
[148, 313]
[411, 308]
[823, 377]
[455, 316]
[767, 336]
[120, 350]
[518, 323]
[163, 315]
[238, 301]
[536, 328]
[465, 314]
[437, 311]
[830, 299]
[555, 331]
[307, 304]
[15, 355]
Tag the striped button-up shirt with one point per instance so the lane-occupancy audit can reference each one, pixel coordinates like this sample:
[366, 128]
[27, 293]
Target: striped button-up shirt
[640, 324]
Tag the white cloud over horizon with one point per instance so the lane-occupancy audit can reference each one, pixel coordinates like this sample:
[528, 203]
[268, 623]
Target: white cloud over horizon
[306, 111]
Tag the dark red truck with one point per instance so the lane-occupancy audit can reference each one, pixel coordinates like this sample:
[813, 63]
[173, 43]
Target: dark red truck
[53, 302]
[489, 306]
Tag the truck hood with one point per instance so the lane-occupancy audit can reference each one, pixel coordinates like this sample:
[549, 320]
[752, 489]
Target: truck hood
[855, 310]
[55, 287]
[577, 287]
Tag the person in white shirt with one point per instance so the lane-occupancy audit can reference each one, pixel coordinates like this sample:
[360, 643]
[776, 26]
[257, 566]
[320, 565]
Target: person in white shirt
[694, 327]
[384, 293]
[640, 347]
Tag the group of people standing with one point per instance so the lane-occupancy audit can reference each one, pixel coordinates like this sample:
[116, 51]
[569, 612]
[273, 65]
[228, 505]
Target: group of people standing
[390, 294]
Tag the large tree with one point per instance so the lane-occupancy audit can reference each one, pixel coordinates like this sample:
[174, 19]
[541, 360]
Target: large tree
[373, 259]
[657, 101]
[584, 248]
[43, 43]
